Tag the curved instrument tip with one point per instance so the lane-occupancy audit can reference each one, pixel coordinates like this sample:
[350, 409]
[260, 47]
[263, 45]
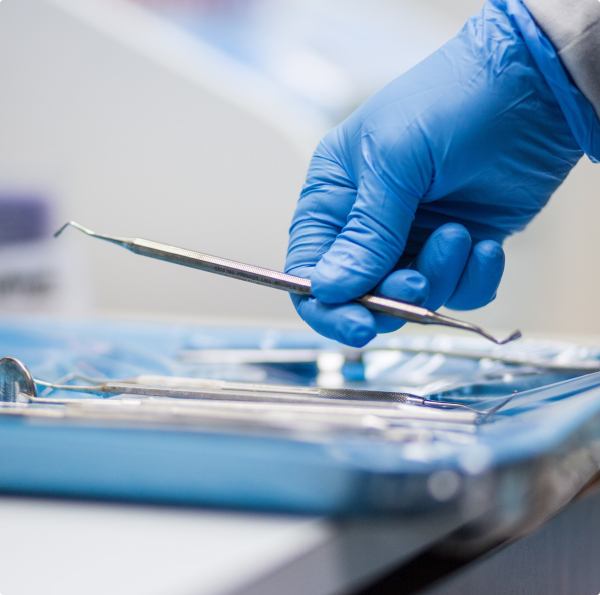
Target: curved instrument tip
[76, 226]
[86, 230]
[62, 228]
[436, 318]
[512, 337]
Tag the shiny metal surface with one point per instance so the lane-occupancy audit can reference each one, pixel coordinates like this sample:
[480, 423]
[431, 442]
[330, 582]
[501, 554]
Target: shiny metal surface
[16, 382]
[259, 356]
[170, 401]
[283, 281]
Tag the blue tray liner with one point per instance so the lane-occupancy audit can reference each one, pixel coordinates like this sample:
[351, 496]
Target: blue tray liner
[273, 473]
[176, 467]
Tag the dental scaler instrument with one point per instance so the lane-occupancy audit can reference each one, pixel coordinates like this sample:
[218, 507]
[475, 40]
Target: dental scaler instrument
[17, 385]
[283, 281]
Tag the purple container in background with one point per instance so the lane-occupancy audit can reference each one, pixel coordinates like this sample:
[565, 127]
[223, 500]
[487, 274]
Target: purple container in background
[23, 218]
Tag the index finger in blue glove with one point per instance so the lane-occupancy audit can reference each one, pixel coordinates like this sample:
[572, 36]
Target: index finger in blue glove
[352, 323]
[369, 245]
[481, 277]
[442, 260]
[405, 285]
[325, 202]
[460, 277]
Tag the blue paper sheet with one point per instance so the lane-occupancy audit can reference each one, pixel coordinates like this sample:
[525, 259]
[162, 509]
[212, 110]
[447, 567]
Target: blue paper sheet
[506, 459]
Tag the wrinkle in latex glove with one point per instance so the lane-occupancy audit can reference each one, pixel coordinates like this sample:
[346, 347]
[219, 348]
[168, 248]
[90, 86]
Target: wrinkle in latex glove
[413, 194]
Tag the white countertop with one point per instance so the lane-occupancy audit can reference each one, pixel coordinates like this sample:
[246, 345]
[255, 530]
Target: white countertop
[70, 547]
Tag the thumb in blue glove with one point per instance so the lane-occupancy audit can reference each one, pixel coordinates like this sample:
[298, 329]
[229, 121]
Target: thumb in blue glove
[412, 195]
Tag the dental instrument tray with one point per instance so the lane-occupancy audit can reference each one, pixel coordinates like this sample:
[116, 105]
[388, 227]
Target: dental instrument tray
[283, 420]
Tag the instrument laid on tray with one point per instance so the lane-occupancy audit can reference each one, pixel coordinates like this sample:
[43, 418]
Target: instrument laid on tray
[435, 423]
[190, 401]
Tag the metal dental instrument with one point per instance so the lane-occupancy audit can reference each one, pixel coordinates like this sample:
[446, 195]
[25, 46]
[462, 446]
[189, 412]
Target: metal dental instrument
[208, 388]
[17, 386]
[223, 390]
[16, 379]
[283, 281]
[550, 392]
[131, 414]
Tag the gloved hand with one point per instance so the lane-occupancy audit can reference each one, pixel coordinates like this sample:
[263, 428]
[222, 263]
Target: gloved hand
[412, 195]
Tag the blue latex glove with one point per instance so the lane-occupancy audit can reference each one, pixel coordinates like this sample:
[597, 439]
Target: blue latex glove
[412, 195]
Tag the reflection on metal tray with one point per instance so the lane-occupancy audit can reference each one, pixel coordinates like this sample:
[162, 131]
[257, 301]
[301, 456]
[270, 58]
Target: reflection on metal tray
[427, 365]
[506, 434]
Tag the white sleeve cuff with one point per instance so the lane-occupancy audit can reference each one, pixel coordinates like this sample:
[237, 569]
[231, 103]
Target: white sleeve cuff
[573, 26]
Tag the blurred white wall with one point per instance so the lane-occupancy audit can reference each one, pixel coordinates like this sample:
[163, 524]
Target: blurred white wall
[128, 145]
[128, 138]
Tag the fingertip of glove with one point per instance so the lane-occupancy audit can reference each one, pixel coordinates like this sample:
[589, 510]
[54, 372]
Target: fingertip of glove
[406, 285]
[354, 325]
[330, 285]
[453, 232]
[490, 249]
[350, 324]
[356, 336]
[417, 287]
